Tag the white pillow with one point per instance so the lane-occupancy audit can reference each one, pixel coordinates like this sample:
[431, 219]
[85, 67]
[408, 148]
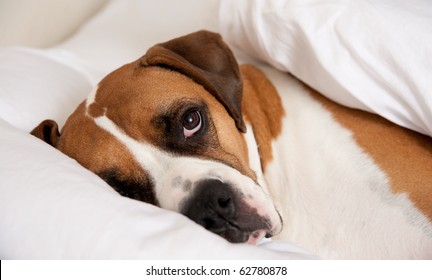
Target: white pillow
[42, 84]
[371, 55]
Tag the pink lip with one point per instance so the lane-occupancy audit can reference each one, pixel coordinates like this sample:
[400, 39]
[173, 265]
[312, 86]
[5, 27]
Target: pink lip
[256, 236]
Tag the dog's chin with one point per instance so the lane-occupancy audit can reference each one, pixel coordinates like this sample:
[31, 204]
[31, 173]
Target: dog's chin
[249, 237]
[235, 234]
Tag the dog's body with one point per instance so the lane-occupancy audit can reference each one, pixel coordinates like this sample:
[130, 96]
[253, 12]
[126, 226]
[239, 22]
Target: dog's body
[348, 183]
[186, 129]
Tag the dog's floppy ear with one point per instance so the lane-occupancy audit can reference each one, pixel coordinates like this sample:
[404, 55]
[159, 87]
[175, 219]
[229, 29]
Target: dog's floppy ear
[204, 57]
[47, 131]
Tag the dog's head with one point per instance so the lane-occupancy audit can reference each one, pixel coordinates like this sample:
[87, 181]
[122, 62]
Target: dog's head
[168, 129]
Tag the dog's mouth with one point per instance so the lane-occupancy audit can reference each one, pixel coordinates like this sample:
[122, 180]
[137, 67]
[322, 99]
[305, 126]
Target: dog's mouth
[241, 234]
[220, 209]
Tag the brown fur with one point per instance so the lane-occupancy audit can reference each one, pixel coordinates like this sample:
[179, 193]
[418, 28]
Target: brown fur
[262, 107]
[94, 148]
[406, 156]
[206, 59]
[47, 131]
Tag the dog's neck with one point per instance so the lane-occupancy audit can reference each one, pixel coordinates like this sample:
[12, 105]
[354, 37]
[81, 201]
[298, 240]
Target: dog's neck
[262, 110]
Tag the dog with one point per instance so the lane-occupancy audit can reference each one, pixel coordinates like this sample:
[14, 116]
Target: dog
[186, 128]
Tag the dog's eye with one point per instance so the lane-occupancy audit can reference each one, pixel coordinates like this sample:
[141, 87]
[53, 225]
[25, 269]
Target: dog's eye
[192, 122]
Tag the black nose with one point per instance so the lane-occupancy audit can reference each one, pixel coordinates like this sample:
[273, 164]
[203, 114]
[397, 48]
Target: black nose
[213, 205]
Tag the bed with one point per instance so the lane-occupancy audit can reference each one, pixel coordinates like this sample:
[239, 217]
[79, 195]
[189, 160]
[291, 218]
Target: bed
[52, 208]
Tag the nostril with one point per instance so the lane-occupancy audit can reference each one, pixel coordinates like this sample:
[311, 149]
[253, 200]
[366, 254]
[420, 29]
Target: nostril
[224, 202]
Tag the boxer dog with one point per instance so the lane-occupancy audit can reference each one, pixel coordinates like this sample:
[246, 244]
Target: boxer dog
[186, 128]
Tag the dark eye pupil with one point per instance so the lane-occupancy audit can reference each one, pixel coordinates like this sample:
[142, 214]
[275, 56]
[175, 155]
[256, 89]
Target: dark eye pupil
[191, 120]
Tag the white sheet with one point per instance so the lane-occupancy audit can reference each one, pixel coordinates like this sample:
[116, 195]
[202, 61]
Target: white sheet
[371, 55]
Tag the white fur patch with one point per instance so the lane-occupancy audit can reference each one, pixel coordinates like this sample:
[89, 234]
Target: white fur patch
[91, 98]
[254, 157]
[336, 201]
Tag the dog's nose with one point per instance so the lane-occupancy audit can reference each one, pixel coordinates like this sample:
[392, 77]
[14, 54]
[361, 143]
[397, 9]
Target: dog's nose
[213, 205]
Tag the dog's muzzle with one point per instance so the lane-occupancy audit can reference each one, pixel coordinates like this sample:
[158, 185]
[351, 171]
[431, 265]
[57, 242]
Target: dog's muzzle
[218, 207]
